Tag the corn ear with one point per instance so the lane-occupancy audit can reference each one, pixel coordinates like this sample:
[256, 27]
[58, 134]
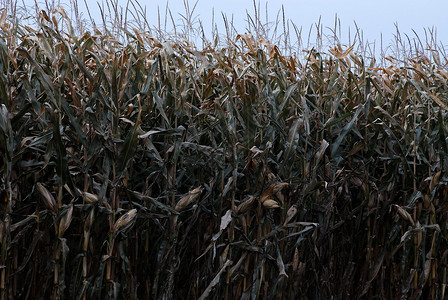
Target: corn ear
[188, 199]
[270, 204]
[65, 221]
[48, 199]
[125, 221]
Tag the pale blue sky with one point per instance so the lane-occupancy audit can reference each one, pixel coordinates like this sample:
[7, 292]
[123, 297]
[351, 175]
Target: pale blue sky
[372, 17]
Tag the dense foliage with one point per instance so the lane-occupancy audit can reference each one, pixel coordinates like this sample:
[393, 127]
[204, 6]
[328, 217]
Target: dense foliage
[150, 169]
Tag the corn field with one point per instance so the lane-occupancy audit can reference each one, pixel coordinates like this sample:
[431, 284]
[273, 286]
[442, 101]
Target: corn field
[149, 169]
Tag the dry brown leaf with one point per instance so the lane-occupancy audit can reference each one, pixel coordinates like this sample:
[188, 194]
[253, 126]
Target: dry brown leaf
[281, 265]
[292, 211]
[225, 220]
[346, 52]
[438, 101]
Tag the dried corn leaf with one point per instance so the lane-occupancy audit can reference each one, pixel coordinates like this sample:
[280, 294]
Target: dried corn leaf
[225, 220]
[215, 280]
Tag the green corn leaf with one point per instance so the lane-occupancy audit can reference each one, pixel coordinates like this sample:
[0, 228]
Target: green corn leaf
[347, 128]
